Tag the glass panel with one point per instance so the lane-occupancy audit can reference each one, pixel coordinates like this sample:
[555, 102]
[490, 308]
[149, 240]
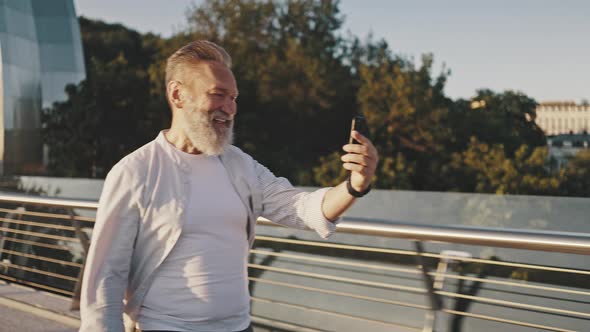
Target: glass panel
[20, 23]
[59, 8]
[18, 5]
[57, 57]
[54, 29]
[2, 18]
[42, 52]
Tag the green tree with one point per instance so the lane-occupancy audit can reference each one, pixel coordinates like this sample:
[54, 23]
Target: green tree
[506, 118]
[576, 177]
[487, 168]
[109, 114]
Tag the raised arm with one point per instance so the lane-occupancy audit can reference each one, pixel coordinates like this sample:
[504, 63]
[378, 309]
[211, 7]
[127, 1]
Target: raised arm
[361, 160]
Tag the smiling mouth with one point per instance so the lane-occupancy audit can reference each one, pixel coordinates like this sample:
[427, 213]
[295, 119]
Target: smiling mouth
[222, 122]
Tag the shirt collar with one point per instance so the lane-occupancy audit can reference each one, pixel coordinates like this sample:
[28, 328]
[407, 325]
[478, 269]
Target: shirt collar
[169, 150]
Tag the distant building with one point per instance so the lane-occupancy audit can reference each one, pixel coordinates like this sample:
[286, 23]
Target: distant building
[563, 147]
[563, 117]
[40, 53]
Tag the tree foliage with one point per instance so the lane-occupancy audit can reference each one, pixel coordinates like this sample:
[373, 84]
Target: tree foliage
[109, 114]
[488, 169]
[506, 118]
[576, 176]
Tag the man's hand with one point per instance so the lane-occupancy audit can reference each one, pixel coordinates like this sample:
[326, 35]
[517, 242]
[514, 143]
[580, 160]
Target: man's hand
[361, 160]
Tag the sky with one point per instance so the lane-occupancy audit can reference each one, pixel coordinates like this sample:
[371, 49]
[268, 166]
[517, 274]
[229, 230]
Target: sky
[538, 47]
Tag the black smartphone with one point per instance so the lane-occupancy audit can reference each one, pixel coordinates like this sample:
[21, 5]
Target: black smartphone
[359, 124]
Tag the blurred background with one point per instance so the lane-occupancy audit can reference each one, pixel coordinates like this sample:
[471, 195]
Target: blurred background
[464, 97]
[479, 110]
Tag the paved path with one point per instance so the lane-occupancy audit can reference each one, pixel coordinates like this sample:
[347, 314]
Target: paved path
[13, 320]
[24, 309]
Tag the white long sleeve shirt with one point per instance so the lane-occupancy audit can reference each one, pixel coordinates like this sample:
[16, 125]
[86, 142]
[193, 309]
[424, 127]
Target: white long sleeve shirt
[141, 216]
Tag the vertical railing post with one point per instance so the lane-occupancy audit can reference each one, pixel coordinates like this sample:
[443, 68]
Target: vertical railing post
[13, 259]
[443, 266]
[85, 241]
[433, 298]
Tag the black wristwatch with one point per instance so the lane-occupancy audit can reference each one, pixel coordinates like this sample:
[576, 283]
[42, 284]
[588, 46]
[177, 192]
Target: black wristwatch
[354, 192]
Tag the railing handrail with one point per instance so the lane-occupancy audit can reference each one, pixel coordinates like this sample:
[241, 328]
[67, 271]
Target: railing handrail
[543, 240]
[552, 241]
[49, 201]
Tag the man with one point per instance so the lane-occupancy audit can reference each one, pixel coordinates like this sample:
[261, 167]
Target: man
[176, 217]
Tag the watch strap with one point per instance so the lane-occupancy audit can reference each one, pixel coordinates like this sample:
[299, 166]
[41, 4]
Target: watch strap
[354, 192]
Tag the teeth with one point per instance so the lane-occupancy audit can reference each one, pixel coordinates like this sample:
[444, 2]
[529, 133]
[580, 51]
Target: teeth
[220, 120]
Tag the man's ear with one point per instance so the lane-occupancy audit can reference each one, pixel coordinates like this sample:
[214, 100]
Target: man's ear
[176, 94]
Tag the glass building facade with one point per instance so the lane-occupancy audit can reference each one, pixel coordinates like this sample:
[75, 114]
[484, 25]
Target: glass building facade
[41, 52]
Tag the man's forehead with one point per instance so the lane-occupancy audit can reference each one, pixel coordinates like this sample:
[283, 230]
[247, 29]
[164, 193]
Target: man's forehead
[213, 74]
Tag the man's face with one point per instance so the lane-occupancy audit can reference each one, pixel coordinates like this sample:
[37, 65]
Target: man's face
[208, 113]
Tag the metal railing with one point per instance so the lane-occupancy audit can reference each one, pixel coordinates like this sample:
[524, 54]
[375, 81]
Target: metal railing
[304, 285]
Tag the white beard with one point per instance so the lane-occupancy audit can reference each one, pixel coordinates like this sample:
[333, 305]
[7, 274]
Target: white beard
[203, 135]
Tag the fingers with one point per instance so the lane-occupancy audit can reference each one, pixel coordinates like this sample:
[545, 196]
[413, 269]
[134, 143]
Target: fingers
[355, 158]
[364, 163]
[365, 147]
[358, 149]
[360, 138]
[359, 163]
[363, 170]
[361, 160]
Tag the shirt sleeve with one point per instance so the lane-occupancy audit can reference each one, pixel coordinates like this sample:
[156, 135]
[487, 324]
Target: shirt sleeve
[286, 205]
[111, 248]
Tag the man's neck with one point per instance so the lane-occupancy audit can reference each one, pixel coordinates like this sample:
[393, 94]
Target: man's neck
[179, 140]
